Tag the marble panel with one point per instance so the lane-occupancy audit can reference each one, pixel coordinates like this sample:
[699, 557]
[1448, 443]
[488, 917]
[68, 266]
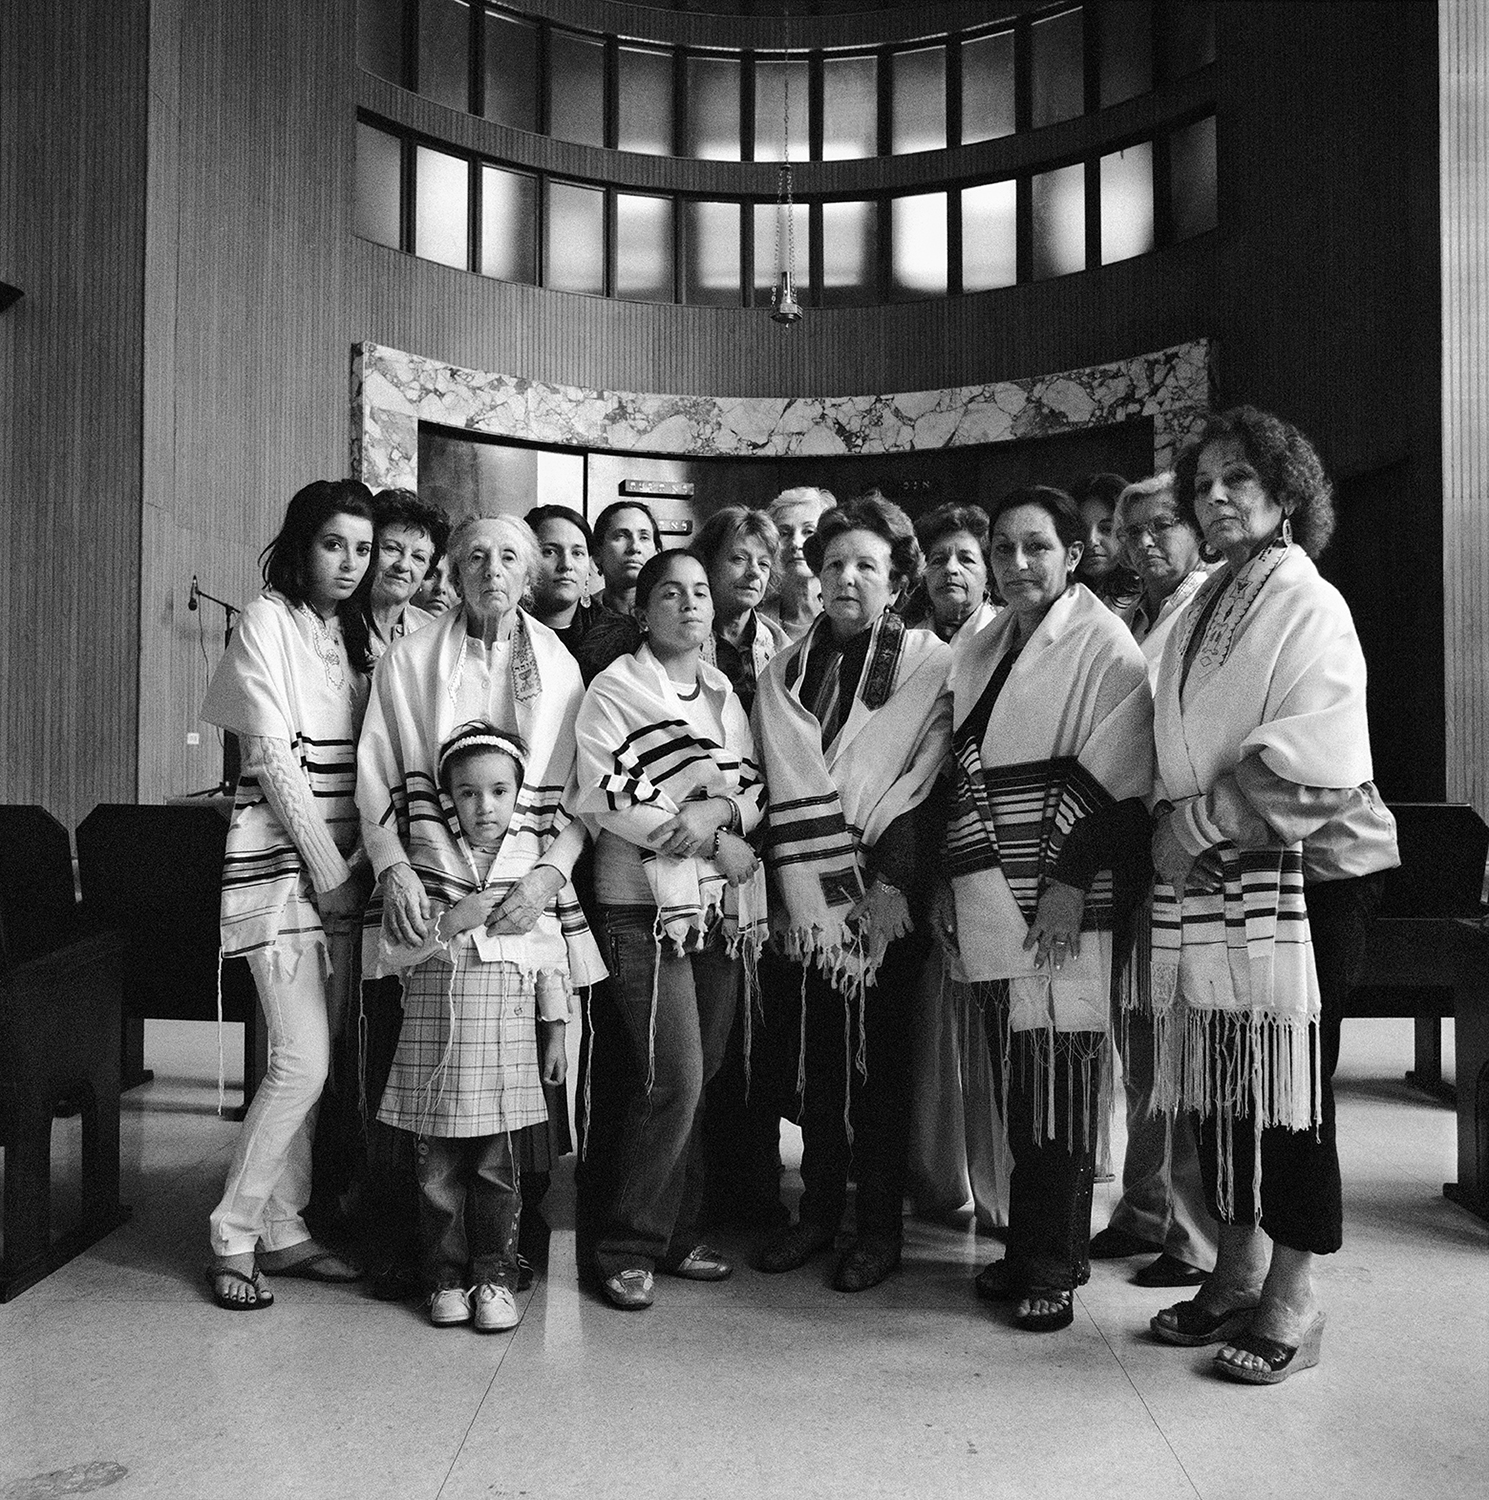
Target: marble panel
[393, 391]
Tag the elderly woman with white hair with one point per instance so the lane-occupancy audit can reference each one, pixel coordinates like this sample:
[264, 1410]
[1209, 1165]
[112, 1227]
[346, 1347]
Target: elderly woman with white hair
[485, 660]
[797, 599]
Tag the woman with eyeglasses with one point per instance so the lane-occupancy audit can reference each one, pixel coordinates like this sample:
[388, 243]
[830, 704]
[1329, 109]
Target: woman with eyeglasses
[1162, 1209]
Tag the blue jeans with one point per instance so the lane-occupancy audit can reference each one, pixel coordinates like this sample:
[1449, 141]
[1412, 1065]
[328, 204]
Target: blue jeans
[469, 1207]
[659, 1184]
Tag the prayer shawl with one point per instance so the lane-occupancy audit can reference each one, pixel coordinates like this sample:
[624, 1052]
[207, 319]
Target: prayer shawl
[975, 623]
[1156, 635]
[1070, 733]
[412, 713]
[640, 759]
[285, 676]
[1279, 672]
[828, 807]
[467, 1062]
[769, 640]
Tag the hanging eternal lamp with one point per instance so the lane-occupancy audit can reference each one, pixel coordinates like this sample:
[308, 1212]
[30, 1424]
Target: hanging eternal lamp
[784, 306]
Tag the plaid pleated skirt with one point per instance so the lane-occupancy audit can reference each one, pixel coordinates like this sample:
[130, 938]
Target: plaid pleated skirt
[467, 1057]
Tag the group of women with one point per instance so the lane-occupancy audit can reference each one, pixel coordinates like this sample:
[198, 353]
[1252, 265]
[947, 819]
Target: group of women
[1141, 810]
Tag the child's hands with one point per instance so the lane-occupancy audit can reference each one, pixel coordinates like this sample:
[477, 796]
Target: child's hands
[470, 911]
[553, 1059]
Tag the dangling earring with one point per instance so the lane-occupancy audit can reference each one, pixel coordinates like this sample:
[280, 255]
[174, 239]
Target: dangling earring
[1287, 530]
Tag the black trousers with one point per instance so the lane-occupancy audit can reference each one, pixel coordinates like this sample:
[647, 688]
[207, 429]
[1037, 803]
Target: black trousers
[880, 1100]
[1049, 1192]
[1302, 1202]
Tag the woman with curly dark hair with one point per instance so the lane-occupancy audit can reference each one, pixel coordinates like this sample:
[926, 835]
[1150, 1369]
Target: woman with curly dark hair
[1268, 848]
[853, 723]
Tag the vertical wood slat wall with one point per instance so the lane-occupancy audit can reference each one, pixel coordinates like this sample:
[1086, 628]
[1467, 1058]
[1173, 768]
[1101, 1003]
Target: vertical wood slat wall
[1464, 82]
[72, 159]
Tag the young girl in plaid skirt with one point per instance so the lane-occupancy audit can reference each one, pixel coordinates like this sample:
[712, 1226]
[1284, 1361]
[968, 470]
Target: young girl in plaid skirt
[483, 1030]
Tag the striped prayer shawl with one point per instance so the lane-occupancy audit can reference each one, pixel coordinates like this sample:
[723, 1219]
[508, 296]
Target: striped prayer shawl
[1277, 672]
[273, 681]
[411, 714]
[641, 752]
[828, 807]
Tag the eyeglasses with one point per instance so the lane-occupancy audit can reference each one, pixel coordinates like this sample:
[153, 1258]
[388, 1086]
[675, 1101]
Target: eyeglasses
[1158, 528]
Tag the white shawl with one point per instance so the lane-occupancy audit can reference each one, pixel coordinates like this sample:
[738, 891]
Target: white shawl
[283, 678]
[640, 759]
[828, 808]
[1070, 732]
[1279, 672]
[414, 692]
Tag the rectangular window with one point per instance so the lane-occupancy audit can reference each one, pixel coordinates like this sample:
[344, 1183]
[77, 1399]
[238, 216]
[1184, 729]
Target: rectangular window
[576, 88]
[710, 247]
[1126, 50]
[644, 100]
[1193, 199]
[771, 80]
[918, 245]
[442, 207]
[989, 236]
[850, 108]
[1059, 205]
[509, 225]
[918, 100]
[1188, 36]
[770, 218]
[574, 239]
[987, 87]
[850, 253]
[511, 71]
[712, 108]
[380, 38]
[379, 186]
[1127, 203]
[1058, 82]
[444, 52]
[643, 248]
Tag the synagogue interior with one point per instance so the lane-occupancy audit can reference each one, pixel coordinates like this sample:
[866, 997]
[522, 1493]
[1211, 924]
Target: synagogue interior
[508, 254]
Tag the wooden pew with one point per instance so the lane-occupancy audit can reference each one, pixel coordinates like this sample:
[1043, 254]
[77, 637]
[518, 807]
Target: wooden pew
[60, 1006]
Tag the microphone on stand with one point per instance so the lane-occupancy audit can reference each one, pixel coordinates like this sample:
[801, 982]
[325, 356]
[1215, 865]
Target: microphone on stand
[195, 590]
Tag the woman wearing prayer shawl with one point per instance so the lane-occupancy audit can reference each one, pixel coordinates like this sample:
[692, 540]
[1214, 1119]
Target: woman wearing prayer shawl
[292, 685]
[957, 1148]
[1268, 850]
[1162, 1206]
[666, 761]
[1053, 753]
[486, 660]
[853, 722]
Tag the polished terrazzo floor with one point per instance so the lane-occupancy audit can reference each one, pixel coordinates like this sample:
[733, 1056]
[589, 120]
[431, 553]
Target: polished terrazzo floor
[117, 1373]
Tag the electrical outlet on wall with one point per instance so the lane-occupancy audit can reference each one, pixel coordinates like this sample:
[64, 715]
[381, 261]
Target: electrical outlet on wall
[193, 738]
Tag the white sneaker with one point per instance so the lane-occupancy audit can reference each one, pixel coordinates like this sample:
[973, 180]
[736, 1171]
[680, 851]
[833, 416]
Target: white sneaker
[496, 1308]
[448, 1306]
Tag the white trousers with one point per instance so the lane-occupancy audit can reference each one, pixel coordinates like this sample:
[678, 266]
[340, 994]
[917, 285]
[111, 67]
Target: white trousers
[268, 1180]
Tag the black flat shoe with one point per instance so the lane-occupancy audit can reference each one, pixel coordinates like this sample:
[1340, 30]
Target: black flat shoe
[1169, 1270]
[865, 1265]
[794, 1247]
[1117, 1244]
[1191, 1326]
[1047, 1322]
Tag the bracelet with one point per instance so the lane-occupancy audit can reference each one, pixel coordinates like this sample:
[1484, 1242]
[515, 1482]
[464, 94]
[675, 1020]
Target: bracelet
[887, 886]
[717, 834]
